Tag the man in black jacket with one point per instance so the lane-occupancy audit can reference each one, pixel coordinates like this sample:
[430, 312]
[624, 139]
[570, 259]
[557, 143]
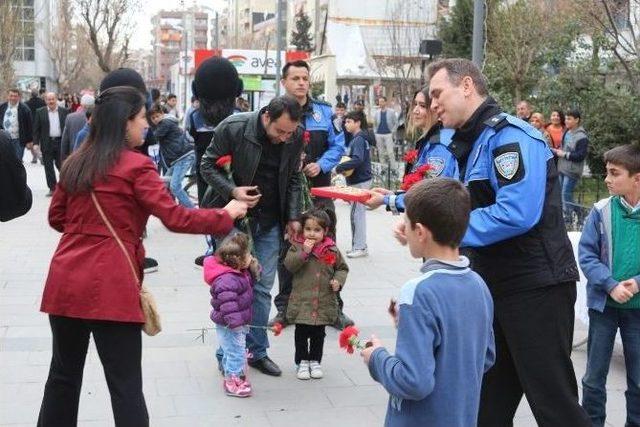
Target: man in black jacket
[47, 130]
[265, 147]
[15, 195]
[15, 118]
[34, 103]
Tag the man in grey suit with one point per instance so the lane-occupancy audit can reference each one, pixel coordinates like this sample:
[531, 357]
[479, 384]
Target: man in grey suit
[47, 132]
[73, 124]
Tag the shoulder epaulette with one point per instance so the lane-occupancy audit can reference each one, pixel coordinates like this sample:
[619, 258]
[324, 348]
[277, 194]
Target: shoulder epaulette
[497, 122]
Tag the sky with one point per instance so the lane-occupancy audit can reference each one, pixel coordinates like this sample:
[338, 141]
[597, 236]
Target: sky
[142, 38]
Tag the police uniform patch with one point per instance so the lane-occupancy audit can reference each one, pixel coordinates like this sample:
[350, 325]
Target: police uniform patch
[317, 116]
[507, 164]
[437, 165]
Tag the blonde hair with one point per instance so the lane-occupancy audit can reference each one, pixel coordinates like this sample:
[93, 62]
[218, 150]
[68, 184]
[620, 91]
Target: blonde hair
[540, 117]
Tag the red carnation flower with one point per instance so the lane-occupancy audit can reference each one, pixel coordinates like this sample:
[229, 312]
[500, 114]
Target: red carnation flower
[277, 328]
[306, 137]
[411, 156]
[411, 179]
[423, 170]
[329, 258]
[224, 162]
[349, 340]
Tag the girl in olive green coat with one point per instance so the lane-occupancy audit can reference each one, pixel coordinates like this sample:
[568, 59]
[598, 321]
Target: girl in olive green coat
[318, 271]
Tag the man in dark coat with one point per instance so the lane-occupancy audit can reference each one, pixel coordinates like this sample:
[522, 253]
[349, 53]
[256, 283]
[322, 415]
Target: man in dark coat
[73, 124]
[34, 103]
[15, 118]
[15, 195]
[265, 148]
[47, 130]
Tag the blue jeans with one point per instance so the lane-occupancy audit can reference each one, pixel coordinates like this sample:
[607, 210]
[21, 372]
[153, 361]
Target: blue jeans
[18, 148]
[266, 245]
[602, 332]
[568, 185]
[232, 342]
[177, 171]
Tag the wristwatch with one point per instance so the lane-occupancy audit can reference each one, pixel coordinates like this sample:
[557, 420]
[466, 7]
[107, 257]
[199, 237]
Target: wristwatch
[392, 204]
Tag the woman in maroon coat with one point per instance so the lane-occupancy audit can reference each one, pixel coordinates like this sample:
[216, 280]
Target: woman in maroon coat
[90, 288]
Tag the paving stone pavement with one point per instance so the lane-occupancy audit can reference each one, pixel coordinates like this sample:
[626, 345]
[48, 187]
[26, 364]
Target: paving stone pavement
[182, 385]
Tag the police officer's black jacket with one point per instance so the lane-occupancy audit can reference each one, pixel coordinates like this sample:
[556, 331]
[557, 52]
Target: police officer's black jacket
[543, 255]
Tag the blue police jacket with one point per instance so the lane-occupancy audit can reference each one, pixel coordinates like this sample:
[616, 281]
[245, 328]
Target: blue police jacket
[326, 146]
[516, 235]
[435, 152]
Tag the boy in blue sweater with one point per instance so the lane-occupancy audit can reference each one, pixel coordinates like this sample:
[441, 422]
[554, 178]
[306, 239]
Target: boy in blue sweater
[357, 171]
[609, 255]
[445, 340]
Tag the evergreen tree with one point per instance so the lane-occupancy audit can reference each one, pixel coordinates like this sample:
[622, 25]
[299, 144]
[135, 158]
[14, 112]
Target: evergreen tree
[300, 37]
[456, 31]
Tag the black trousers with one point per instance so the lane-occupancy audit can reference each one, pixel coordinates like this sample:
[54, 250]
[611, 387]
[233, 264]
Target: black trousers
[51, 156]
[200, 182]
[309, 342]
[119, 346]
[534, 333]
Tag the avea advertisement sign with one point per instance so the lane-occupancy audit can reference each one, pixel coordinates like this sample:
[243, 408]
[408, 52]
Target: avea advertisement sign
[253, 61]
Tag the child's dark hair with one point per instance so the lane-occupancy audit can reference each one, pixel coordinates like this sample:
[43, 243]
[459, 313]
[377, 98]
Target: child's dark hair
[157, 109]
[443, 206]
[356, 116]
[325, 217]
[575, 113]
[233, 249]
[627, 156]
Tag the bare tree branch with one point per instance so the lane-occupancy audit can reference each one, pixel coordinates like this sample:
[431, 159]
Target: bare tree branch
[66, 47]
[10, 32]
[621, 42]
[109, 24]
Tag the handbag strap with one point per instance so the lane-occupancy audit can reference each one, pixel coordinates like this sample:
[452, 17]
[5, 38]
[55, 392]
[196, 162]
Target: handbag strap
[115, 236]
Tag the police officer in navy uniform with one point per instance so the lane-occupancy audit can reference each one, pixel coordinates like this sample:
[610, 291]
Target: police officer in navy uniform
[323, 150]
[517, 242]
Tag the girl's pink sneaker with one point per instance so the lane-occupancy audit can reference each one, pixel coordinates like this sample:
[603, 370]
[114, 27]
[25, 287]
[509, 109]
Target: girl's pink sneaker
[234, 386]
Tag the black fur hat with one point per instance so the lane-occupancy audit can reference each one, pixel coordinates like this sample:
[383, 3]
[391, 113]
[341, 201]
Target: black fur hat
[216, 79]
[123, 77]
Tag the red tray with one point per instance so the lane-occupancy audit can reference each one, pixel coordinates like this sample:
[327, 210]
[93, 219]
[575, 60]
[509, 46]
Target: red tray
[350, 194]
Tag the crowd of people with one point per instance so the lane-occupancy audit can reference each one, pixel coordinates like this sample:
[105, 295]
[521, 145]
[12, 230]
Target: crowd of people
[489, 320]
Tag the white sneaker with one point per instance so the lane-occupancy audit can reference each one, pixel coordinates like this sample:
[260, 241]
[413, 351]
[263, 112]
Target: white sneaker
[315, 370]
[357, 253]
[303, 370]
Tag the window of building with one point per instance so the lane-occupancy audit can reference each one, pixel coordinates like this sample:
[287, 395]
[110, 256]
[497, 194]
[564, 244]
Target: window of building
[25, 40]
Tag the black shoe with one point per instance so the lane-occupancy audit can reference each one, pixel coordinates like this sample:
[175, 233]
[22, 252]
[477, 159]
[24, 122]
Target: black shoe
[342, 322]
[266, 366]
[200, 260]
[281, 318]
[150, 265]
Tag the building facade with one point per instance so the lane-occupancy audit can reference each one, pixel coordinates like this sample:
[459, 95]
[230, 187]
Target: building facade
[246, 24]
[175, 35]
[32, 64]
